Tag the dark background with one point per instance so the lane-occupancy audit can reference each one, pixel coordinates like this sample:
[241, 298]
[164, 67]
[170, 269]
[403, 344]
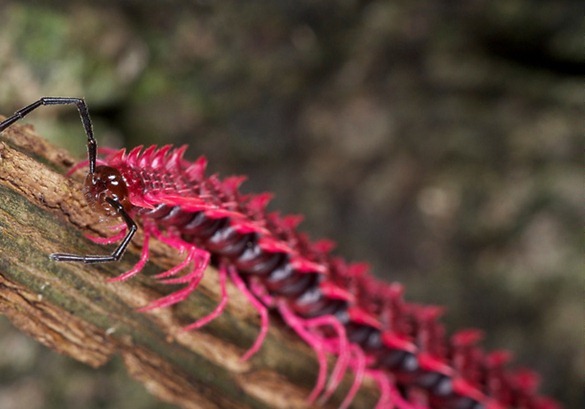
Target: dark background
[439, 140]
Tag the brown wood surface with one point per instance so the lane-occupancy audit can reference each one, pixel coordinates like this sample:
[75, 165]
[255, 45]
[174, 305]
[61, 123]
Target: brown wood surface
[71, 308]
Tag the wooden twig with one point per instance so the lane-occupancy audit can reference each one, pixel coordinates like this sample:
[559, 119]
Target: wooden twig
[73, 310]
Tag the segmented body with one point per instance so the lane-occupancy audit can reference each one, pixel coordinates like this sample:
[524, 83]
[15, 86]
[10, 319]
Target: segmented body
[338, 308]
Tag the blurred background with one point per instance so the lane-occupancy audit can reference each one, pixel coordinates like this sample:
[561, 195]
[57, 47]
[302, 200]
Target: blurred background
[439, 140]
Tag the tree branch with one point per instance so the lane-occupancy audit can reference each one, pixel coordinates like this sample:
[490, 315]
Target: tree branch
[71, 309]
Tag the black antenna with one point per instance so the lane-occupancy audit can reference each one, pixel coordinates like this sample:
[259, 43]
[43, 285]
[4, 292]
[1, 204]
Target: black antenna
[83, 113]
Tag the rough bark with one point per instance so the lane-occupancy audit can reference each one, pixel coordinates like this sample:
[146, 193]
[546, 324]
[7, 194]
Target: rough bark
[73, 310]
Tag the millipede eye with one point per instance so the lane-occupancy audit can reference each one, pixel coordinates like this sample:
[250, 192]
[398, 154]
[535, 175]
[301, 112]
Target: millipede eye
[105, 182]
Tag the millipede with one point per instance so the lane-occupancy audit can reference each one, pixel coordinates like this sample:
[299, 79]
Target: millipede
[338, 308]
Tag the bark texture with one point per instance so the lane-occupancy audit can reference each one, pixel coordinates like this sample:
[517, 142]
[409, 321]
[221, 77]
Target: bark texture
[73, 310]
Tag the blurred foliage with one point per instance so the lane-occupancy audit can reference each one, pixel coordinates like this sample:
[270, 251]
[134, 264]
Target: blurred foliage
[438, 140]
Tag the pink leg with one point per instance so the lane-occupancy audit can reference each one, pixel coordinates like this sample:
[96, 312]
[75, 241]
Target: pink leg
[315, 343]
[260, 292]
[83, 164]
[138, 266]
[172, 298]
[176, 269]
[173, 241]
[262, 310]
[201, 263]
[220, 307]
[195, 276]
[76, 167]
[383, 381]
[390, 397]
[338, 346]
[200, 256]
[359, 365]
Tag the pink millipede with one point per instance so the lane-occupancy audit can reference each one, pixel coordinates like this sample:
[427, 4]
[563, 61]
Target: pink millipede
[337, 308]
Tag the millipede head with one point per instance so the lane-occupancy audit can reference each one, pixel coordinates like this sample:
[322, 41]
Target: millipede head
[106, 182]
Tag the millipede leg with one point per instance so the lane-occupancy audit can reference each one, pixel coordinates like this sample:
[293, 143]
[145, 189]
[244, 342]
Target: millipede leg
[359, 366]
[258, 306]
[222, 272]
[338, 346]
[299, 327]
